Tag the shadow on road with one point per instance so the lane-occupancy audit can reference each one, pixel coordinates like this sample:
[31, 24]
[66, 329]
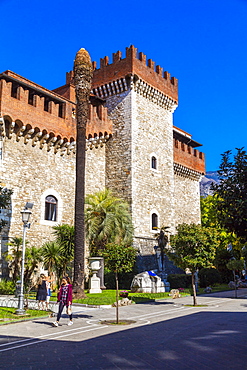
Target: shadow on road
[204, 340]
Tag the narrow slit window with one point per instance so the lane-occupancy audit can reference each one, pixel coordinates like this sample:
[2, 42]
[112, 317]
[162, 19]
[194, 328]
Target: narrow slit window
[154, 162]
[31, 97]
[61, 109]
[154, 221]
[15, 91]
[46, 104]
[50, 208]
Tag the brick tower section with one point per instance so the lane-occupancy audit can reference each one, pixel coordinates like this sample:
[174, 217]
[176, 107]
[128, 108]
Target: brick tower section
[140, 100]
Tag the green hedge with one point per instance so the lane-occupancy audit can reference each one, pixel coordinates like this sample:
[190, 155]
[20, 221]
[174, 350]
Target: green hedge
[179, 281]
[124, 280]
[7, 287]
[209, 276]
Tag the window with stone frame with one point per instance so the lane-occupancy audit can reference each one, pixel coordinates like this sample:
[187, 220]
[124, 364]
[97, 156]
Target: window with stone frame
[154, 162]
[51, 208]
[154, 221]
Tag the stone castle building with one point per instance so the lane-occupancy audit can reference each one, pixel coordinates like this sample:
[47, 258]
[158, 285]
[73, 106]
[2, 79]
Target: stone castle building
[133, 148]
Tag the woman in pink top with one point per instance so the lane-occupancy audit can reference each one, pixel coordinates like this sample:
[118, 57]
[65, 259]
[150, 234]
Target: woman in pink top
[64, 298]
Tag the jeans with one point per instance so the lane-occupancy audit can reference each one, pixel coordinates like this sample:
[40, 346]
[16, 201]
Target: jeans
[60, 310]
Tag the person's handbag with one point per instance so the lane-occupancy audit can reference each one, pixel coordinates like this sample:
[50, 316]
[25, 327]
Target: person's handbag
[69, 310]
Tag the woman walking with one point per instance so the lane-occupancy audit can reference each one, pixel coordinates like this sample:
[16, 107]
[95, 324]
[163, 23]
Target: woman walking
[65, 299]
[42, 292]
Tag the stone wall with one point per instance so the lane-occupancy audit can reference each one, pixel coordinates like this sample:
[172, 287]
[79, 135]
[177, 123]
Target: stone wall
[95, 169]
[187, 199]
[34, 173]
[141, 129]
[118, 148]
[152, 190]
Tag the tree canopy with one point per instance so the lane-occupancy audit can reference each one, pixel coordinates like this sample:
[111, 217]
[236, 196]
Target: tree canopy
[5, 199]
[231, 193]
[193, 247]
[119, 258]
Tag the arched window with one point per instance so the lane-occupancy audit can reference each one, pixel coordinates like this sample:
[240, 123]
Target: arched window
[154, 221]
[154, 162]
[50, 208]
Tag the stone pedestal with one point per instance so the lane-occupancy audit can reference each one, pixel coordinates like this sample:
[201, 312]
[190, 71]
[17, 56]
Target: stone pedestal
[94, 284]
[94, 281]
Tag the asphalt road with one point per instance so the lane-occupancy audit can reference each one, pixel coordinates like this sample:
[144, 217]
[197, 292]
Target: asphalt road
[166, 335]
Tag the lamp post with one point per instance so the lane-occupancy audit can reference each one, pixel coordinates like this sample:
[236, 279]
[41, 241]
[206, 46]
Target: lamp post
[26, 213]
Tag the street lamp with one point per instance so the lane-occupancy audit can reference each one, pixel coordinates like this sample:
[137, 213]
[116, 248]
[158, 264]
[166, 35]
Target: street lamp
[26, 213]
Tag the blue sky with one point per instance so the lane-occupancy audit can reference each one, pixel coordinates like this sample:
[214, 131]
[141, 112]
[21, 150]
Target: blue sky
[201, 42]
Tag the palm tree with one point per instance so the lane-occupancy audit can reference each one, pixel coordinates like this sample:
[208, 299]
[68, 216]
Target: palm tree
[83, 74]
[107, 220]
[33, 256]
[51, 257]
[13, 257]
[65, 237]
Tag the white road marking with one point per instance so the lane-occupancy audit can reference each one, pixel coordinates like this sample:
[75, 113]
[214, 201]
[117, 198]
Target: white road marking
[46, 340]
[43, 336]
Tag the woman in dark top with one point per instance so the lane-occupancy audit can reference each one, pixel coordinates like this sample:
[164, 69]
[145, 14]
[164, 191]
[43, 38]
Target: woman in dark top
[64, 298]
[42, 292]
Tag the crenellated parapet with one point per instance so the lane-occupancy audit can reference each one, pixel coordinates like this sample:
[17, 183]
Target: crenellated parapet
[98, 122]
[114, 76]
[32, 104]
[44, 118]
[132, 72]
[187, 156]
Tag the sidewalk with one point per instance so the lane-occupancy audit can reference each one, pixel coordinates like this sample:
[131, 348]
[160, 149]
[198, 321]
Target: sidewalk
[11, 301]
[166, 335]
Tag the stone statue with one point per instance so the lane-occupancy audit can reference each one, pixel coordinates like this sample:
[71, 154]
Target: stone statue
[147, 282]
[160, 250]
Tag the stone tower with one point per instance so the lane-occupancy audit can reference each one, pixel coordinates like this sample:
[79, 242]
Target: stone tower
[141, 100]
[149, 162]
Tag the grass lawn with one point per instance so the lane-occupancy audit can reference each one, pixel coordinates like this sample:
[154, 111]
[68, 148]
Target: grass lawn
[108, 296]
[8, 315]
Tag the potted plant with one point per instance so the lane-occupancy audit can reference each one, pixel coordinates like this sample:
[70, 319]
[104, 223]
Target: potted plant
[123, 294]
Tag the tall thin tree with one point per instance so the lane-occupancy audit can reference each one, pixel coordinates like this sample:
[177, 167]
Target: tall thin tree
[83, 74]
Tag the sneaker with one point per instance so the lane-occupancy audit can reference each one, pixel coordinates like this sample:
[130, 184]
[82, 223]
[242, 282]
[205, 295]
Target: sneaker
[70, 323]
[55, 323]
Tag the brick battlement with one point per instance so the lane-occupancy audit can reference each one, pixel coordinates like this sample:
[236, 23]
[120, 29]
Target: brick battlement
[38, 114]
[134, 63]
[188, 156]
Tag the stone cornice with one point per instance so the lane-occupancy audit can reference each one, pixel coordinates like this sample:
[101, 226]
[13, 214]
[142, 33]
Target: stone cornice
[112, 88]
[47, 141]
[154, 95]
[98, 141]
[133, 82]
[186, 172]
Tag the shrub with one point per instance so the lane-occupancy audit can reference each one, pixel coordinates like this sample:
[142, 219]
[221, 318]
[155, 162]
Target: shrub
[7, 287]
[179, 281]
[209, 276]
[124, 279]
